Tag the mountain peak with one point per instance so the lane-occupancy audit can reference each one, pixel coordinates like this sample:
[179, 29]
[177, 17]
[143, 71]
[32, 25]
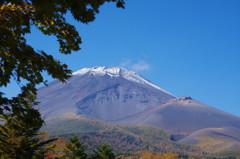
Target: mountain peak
[106, 93]
[117, 72]
[185, 98]
[111, 71]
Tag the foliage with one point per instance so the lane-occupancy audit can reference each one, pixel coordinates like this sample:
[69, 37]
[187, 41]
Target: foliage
[20, 61]
[123, 139]
[74, 149]
[219, 146]
[24, 64]
[146, 154]
[19, 137]
[103, 151]
[169, 156]
[227, 154]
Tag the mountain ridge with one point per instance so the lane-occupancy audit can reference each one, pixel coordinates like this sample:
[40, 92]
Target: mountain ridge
[117, 72]
[91, 92]
[119, 96]
[182, 115]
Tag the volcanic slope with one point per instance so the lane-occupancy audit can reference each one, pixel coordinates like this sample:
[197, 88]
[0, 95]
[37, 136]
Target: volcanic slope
[123, 97]
[192, 122]
[104, 93]
[215, 139]
[183, 116]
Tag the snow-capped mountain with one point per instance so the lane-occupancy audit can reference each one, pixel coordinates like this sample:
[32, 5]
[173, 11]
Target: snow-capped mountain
[105, 93]
[117, 72]
[120, 96]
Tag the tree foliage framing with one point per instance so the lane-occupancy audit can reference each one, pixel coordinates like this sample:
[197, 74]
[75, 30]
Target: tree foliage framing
[19, 135]
[20, 61]
[19, 120]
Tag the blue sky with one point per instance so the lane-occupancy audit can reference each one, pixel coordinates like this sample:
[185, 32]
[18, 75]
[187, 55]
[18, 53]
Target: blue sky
[186, 47]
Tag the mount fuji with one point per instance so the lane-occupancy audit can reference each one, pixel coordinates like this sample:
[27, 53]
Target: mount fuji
[119, 96]
[103, 93]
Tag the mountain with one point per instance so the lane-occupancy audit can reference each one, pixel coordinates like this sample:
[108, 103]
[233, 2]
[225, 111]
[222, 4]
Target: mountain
[104, 93]
[182, 116]
[119, 96]
[192, 122]
[215, 139]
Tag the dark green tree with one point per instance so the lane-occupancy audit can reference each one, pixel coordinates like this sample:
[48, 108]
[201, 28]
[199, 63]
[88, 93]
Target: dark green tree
[19, 136]
[103, 151]
[74, 149]
[21, 62]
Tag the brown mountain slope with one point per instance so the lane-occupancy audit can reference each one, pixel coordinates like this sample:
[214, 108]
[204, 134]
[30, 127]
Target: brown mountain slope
[215, 139]
[183, 116]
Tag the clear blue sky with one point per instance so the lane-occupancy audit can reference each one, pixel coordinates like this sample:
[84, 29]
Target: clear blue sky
[186, 47]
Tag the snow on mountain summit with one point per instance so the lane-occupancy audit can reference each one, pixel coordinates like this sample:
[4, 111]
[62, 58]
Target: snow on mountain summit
[105, 93]
[117, 72]
[111, 71]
